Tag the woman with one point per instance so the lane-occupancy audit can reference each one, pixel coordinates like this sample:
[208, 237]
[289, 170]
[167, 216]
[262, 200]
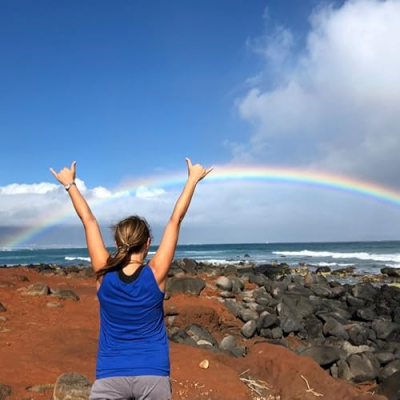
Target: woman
[133, 353]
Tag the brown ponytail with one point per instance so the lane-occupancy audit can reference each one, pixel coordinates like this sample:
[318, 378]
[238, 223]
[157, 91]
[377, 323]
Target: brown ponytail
[130, 235]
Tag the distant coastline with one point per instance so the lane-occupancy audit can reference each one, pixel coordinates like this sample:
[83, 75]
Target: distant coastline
[366, 257]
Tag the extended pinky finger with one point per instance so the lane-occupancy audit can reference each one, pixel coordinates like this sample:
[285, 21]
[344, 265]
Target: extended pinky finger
[209, 170]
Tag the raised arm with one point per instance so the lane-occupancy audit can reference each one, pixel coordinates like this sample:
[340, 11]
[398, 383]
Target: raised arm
[97, 251]
[162, 260]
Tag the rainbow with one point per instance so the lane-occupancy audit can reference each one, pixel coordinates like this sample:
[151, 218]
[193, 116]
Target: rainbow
[323, 180]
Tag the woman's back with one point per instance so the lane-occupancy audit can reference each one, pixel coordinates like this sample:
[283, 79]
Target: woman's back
[133, 338]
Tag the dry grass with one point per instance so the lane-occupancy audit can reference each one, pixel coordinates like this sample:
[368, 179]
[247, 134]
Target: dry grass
[257, 387]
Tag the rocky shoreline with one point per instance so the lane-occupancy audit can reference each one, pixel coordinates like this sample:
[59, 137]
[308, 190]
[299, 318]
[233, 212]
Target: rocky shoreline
[351, 330]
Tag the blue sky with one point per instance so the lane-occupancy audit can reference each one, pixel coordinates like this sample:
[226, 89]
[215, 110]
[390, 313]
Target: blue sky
[136, 85]
[130, 88]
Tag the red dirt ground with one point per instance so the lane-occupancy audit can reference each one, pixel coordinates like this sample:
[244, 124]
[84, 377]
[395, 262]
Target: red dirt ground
[39, 343]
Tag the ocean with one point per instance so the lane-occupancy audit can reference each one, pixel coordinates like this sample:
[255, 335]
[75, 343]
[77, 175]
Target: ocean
[367, 257]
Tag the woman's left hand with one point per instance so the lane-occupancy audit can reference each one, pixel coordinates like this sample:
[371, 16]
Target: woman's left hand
[66, 175]
[197, 171]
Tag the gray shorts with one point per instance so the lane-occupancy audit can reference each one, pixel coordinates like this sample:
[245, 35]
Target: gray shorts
[147, 387]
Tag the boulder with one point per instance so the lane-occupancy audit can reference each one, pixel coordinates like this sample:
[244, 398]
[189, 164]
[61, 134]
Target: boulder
[390, 387]
[37, 289]
[258, 279]
[186, 285]
[301, 306]
[275, 333]
[396, 315]
[41, 388]
[20, 278]
[385, 329]
[237, 284]
[198, 332]
[230, 270]
[249, 329]
[273, 270]
[228, 343]
[337, 291]
[267, 320]
[7, 284]
[87, 272]
[335, 309]
[239, 351]
[343, 371]
[389, 370]
[381, 308]
[175, 270]
[361, 368]
[358, 335]
[64, 294]
[204, 344]
[298, 289]
[321, 290]
[350, 349]
[364, 291]
[366, 314]
[266, 300]
[392, 272]
[71, 268]
[290, 323]
[5, 391]
[384, 357]
[227, 295]
[248, 315]
[325, 356]
[344, 271]
[323, 270]
[224, 283]
[355, 301]
[181, 336]
[170, 310]
[334, 328]
[72, 385]
[188, 265]
[256, 307]
[313, 327]
[234, 307]
[309, 279]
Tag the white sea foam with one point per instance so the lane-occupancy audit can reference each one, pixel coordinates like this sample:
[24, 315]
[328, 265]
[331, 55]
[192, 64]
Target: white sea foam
[16, 248]
[361, 256]
[203, 251]
[20, 264]
[332, 264]
[77, 258]
[393, 265]
[222, 261]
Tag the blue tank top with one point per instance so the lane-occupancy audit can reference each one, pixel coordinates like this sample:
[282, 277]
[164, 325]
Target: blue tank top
[133, 339]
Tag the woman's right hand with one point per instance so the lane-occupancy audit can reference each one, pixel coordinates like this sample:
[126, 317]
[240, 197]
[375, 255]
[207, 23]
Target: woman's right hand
[66, 175]
[197, 172]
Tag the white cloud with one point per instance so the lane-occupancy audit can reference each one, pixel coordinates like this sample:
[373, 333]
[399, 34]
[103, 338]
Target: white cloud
[144, 192]
[275, 47]
[337, 105]
[36, 188]
[26, 204]
[238, 211]
[101, 192]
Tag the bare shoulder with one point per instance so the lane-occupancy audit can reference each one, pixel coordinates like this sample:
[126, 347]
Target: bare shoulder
[156, 271]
